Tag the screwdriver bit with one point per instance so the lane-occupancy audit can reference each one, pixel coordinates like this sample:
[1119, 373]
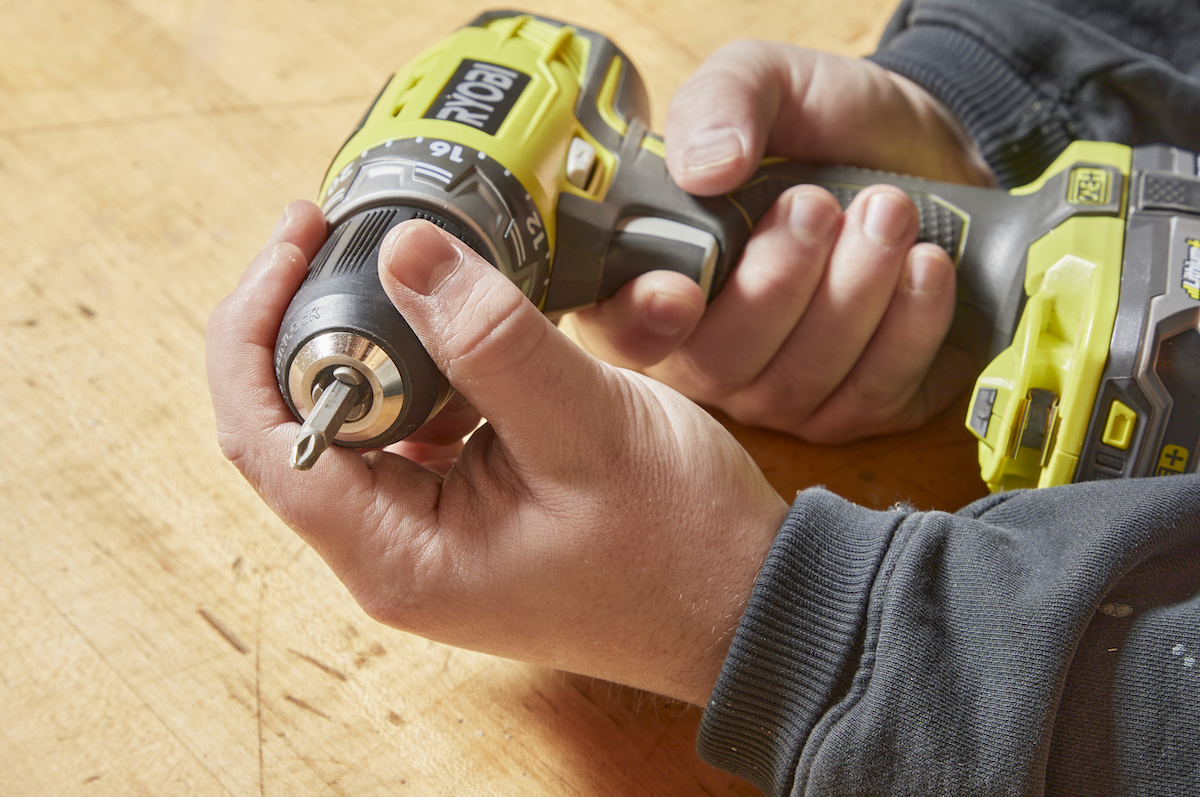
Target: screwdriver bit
[335, 404]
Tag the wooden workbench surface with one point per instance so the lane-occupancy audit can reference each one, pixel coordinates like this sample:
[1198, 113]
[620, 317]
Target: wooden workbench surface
[161, 632]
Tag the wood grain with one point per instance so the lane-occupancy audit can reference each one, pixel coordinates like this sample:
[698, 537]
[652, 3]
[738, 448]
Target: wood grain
[161, 632]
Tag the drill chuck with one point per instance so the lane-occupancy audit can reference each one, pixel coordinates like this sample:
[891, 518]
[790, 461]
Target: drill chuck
[342, 319]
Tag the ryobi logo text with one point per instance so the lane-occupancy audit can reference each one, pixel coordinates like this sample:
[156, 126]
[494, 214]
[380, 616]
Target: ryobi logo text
[479, 94]
[1191, 269]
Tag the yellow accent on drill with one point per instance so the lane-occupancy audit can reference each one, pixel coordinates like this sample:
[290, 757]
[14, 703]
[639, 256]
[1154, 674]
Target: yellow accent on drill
[532, 141]
[1173, 460]
[1093, 152]
[1073, 279]
[606, 100]
[1089, 186]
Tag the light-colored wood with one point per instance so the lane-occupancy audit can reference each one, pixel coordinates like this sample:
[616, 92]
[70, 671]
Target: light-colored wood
[161, 633]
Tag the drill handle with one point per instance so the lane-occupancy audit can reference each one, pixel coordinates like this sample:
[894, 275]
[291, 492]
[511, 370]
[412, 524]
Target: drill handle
[646, 222]
[942, 221]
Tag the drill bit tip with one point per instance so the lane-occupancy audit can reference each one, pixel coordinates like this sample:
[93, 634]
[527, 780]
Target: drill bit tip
[333, 406]
[309, 447]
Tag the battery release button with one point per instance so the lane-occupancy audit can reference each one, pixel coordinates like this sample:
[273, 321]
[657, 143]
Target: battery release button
[1118, 432]
[1170, 192]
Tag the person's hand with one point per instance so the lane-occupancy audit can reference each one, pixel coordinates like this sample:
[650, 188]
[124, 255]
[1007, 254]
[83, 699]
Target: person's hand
[830, 327]
[600, 523]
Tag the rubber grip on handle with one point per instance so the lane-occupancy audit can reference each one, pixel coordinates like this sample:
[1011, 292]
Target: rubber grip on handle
[940, 222]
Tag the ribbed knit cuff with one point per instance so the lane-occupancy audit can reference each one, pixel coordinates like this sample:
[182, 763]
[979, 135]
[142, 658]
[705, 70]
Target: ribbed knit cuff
[797, 648]
[1018, 128]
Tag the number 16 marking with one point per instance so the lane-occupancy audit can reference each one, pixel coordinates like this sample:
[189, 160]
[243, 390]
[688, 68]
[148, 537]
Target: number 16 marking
[441, 149]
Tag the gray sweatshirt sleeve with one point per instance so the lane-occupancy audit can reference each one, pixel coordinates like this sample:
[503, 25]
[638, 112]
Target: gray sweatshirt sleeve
[1038, 642]
[1026, 77]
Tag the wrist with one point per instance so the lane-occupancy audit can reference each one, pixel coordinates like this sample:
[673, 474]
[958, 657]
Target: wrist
[716, 616]
[964, 161]
[1018, 129]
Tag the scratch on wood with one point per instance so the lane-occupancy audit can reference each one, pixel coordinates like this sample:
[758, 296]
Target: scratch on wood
[376, 651]
[220, 628]
[262, 776]
[658, 742]
[298, 702]
[325, 668]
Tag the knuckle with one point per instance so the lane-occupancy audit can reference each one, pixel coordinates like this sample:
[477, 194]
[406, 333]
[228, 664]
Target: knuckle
[222, 316]
[233, 448]
[785, 395]
[861, 408]
[491, 333]
[697, 378]
[760, 406]
[731, 58]
[783, 277]
[871, 395]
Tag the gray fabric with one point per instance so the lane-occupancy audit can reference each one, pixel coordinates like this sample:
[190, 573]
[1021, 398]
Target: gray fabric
[1037, 642]
[1028, 76]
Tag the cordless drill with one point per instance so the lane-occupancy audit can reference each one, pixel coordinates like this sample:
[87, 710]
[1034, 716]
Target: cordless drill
[527, 139]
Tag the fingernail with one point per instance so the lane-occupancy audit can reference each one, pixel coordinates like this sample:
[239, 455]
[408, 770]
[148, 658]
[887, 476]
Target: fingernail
[708, 149]
[418, 257]
[281, 225]
[667, 315]
[813, 214]
[927, 274]
[887, 219]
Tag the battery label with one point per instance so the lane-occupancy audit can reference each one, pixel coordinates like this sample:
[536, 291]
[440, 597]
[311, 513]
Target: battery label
[479, 95]
[1178, 369]
[1173, 460]
[1191, 269]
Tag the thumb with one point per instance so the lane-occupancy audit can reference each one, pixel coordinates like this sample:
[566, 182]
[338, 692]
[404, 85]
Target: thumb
[489, 340]
[719, 119]
[749, 98]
